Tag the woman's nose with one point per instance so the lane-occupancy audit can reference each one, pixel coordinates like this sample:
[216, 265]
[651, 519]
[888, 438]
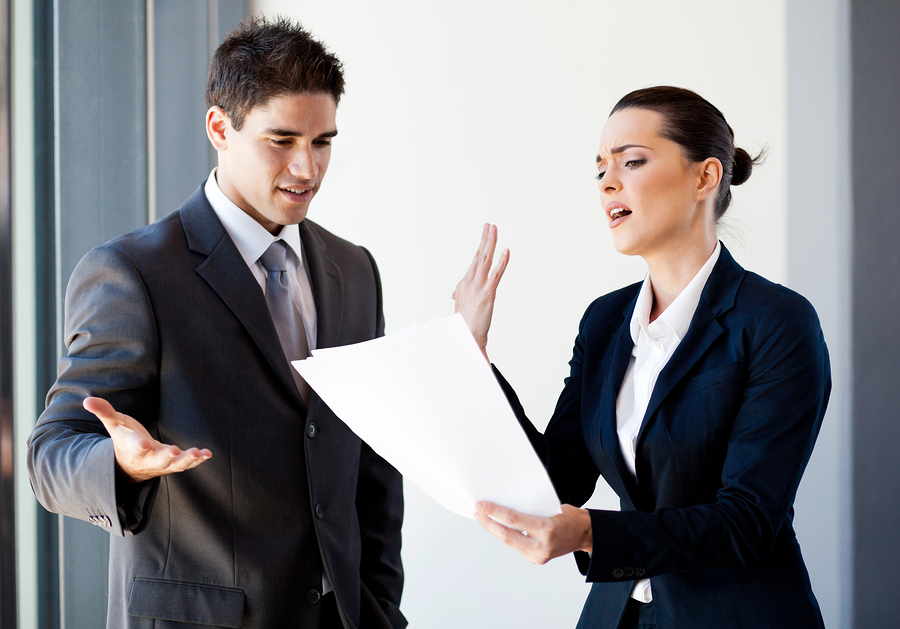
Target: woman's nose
[610, 181]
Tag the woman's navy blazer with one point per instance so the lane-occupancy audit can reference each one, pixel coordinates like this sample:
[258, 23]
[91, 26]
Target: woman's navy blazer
[728, 432]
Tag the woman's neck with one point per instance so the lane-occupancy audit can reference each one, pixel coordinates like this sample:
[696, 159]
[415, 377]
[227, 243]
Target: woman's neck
[671, 273]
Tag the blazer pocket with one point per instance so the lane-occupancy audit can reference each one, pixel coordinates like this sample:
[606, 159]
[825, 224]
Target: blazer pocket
[713, 377]
[196, 603]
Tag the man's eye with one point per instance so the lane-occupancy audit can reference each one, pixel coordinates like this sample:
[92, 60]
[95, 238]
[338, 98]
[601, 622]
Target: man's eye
[323, 142]
[280, 142]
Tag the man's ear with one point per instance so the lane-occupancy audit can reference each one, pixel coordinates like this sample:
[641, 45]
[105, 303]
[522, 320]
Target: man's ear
[216, 124]
[709, 175]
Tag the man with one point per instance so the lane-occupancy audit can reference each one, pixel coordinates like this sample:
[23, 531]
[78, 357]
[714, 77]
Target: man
[235, 498]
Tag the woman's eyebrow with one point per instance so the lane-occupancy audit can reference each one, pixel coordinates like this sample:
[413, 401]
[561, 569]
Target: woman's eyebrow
[623, 148]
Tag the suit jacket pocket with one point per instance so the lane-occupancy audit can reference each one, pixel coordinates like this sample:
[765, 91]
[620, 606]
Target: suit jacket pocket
[713, 377]
[196, 603]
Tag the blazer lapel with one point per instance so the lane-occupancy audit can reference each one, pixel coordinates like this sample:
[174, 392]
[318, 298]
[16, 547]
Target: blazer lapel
[716, 299]
[327, 284]
[622, 345]
[227, 274]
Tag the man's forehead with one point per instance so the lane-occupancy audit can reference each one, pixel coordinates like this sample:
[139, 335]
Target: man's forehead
[296, 112]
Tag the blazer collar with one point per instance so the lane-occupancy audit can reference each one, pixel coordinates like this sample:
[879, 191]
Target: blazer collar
[622, 345]
[227, 274]
[327, 284]
[717, 298]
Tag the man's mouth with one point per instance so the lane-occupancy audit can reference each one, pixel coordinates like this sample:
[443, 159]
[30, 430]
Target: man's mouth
[300, 193]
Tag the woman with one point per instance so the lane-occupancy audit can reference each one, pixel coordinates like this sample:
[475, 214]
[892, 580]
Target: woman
[697, 394]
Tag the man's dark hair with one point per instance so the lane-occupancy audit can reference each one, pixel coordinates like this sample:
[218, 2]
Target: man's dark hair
[263, 59]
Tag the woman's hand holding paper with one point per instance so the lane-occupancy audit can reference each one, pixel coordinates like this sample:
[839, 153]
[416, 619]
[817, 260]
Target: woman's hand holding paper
[538, 539]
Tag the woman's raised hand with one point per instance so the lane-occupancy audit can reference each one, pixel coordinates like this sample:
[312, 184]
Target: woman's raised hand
[475, 293]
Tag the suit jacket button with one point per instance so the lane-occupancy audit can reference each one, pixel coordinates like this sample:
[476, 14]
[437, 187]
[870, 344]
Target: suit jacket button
[629, 572]
[639, 572]
[320, 511]
[618, 573]
[311, 430]
[313, 597]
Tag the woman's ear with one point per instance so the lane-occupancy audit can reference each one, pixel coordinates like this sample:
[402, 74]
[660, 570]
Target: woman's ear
[709, 175]
[216, 124]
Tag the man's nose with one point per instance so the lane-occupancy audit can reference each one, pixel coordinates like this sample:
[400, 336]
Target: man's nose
[303, 164]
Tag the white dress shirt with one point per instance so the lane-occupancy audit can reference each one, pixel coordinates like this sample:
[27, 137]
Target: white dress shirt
[654, 344]
[252, 240]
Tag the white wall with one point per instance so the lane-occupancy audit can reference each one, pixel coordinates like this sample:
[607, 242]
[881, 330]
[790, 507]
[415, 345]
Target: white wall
[465, 112]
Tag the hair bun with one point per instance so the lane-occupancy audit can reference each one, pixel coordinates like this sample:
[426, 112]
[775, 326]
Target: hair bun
[743, 166]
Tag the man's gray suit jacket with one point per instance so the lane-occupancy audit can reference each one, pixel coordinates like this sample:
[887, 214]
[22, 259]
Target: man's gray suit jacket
[169, 325]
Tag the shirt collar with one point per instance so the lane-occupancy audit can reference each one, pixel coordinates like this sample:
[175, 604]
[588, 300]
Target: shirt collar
[680, 312]
[250, 238]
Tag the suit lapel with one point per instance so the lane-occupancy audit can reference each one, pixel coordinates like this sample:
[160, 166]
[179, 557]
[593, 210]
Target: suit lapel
[327, 284]
[227, 274]
[622, 345]
[716, 299]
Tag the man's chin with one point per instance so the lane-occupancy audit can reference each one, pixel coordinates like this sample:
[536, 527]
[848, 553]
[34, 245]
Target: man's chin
[294, 218]
[291, 215]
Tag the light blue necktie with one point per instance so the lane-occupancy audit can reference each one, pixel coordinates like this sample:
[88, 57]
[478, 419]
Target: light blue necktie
[288, 323]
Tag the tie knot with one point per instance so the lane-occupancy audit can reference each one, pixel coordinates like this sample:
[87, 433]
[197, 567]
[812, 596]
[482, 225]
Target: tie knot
[274, 259]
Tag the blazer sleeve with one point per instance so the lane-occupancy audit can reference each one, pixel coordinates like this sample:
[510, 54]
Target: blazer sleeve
[379, 503]
[111, 353]
[771, 439]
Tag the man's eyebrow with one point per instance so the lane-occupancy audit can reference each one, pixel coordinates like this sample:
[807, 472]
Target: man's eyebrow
[287, 133]
[623, 148]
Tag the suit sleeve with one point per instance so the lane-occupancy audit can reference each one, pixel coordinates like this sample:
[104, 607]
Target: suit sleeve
[771, 440]
[379, 503]
[111, 353]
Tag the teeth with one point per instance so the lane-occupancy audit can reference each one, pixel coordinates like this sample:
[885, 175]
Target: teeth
[619, 212]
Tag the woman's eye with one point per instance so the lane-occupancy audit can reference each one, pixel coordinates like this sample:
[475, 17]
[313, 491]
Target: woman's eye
[599, 176]
[634, 163]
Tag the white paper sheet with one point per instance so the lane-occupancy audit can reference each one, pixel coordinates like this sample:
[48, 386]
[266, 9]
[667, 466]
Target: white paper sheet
[426, 400]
